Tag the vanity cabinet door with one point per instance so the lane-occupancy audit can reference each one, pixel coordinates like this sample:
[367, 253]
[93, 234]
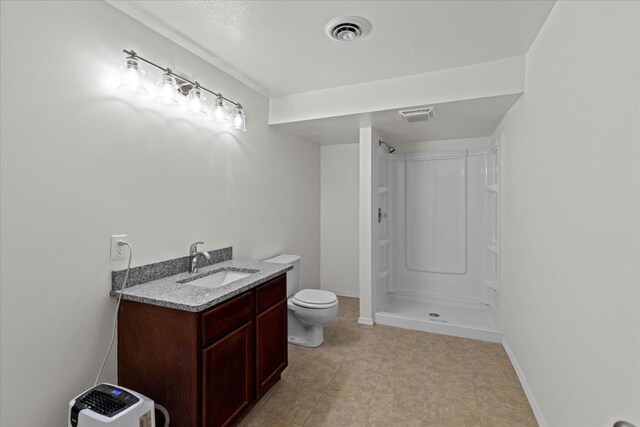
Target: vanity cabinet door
[271, 346]
[228, 379]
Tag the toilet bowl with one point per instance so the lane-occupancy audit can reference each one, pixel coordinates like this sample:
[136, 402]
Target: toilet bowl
[308, 310]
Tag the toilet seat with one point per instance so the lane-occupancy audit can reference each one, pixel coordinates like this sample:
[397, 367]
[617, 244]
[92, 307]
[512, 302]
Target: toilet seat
[315, 298]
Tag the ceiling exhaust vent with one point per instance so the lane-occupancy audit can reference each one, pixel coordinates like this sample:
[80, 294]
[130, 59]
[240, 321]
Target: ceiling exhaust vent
[347, 28]
[417, 114]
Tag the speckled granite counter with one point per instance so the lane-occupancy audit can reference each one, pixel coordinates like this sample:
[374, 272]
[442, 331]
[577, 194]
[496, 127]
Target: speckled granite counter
[167, 292]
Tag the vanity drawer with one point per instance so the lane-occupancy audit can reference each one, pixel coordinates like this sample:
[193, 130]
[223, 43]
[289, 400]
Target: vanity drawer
[226, 317]
[270, 293]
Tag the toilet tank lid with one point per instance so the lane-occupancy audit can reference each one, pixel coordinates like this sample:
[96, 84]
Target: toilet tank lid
[283, 259]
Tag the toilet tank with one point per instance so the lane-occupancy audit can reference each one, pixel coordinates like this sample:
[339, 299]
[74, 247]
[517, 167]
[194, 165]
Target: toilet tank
[293, 276]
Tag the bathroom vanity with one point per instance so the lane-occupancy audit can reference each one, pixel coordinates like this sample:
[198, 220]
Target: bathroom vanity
[208, 364]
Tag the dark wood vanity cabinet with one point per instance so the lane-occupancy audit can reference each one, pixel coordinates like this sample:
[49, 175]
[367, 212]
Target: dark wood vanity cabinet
[208, 369]
[271, 326]
[227, 377]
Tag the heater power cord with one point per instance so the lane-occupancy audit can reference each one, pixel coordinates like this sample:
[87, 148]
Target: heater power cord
[115, 317]
[157, 406]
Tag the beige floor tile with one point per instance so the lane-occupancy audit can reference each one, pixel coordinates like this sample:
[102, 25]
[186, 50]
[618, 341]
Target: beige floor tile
[385, 376]
[297, 354]
[451, 381]
[511, 397]
[373, 344]
[398, 400]
[451, 411]
[344, 322]
[503, 416]
[287, 370]
[479, 345]
[315, 374]
[342, 333]
[405, 344]
[391, 419]
[411, 374]
[448, 360]
[489, 357]
[349, 302]
[332, 411]
[259, 418]
[413, 356]
[413, 339]
[373, 359]
[494, 374]
[332, 354]
[447, 341]
[348, 313]
[380, 331]
[291, 402]
[354, 384]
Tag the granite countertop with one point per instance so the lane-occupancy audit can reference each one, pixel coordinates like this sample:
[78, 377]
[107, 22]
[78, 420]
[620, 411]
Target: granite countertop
[167, 292]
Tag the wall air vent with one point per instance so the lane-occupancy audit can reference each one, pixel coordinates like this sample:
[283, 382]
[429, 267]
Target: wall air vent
[417, 114]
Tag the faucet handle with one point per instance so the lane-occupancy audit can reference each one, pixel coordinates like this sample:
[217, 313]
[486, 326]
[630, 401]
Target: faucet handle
[194, 247]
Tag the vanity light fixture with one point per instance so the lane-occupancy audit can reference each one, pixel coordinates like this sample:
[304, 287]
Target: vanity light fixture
[220, 112]
[238, 119]
[132, 77]
[196, 100]
[171, 85]
[167, 90]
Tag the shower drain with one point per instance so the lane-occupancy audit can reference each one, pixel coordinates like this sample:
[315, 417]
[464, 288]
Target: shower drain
[434, 315]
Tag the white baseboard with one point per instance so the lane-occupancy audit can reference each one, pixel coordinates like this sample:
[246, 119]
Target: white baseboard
[365, 321]
[527, 391]
[349, 294]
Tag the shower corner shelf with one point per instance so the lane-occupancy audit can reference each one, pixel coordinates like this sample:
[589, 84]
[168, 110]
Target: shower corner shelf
[383, 242]
[382, 190]
[493, 188]
[493, 284]
[493, 248]
[383, 275]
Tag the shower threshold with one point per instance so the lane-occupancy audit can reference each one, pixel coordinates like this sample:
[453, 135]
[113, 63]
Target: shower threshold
[466, 320]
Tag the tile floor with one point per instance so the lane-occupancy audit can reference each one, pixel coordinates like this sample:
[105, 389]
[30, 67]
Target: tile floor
[385, 376]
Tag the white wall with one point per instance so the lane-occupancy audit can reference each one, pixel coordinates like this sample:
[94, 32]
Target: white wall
[366, 234]
[571, 297]
[480, 143]
[339, 219]
[80, 162]
[494, 78]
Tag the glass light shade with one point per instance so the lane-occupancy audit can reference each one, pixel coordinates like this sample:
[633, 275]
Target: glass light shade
[238, 119]
[167, 91]
[196, 103]
[220, 112]
[132, 77]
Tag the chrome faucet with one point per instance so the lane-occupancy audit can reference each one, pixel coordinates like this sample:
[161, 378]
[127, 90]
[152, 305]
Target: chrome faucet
[193, 256]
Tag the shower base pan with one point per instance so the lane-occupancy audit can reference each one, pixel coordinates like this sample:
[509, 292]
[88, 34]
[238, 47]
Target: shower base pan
[466, 320]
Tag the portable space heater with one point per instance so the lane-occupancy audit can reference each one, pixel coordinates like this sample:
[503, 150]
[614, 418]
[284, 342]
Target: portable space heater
[113, 406]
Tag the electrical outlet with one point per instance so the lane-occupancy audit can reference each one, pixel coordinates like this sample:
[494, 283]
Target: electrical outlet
[117, 252]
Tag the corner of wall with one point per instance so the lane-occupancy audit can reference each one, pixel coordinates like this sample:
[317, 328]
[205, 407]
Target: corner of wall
[537, 412]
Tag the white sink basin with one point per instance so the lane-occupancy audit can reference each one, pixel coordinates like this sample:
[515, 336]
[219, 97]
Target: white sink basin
[217, 280]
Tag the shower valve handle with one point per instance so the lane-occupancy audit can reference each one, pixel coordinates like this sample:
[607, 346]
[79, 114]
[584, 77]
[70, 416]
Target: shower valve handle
[381, 215]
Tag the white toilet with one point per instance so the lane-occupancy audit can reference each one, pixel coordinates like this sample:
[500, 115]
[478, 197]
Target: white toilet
[309, 309]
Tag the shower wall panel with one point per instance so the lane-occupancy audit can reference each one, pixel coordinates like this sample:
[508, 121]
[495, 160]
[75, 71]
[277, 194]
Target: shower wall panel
[436, 215]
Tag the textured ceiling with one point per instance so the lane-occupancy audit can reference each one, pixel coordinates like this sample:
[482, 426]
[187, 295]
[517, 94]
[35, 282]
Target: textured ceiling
[280, 47]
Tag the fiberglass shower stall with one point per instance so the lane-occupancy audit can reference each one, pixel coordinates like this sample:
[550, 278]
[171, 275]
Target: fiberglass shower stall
[437, 251]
